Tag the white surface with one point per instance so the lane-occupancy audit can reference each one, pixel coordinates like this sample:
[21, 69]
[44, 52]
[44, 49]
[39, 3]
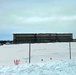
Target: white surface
[49, 68]
[45, 51]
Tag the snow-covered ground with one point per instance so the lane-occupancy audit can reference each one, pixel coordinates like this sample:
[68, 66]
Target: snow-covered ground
[55, 58]
[44, 51]
[49, 68]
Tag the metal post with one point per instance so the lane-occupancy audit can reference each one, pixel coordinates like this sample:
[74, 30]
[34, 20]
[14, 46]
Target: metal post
[29, 52]
[70, 50]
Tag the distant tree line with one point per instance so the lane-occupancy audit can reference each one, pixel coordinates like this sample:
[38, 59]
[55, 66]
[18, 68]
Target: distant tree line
[5, 42]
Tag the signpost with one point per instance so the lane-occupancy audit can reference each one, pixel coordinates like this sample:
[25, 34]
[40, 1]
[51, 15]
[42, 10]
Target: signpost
[70, 50]
[29, 52]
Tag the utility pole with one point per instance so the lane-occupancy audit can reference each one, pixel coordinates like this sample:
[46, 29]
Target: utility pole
[70, 50]
[29, 52]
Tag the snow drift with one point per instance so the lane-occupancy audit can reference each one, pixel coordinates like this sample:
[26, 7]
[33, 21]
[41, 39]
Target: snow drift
[49, 68]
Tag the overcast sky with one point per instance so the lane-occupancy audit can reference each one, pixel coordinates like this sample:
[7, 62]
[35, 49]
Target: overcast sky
[37, 16]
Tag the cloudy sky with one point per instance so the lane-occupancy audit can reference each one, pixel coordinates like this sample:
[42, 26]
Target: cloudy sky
[37, 16]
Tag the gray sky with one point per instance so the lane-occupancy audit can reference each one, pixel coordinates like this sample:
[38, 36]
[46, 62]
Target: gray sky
[37, 16]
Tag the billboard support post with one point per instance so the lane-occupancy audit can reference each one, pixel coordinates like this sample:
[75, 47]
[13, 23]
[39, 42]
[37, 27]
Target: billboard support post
[70, 50]
[29, 52]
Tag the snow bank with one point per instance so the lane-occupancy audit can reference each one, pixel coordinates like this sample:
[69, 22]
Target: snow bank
[48, 68]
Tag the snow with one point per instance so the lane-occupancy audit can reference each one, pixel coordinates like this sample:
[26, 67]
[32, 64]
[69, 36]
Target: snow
[49, 68]
[39, 51]
[46, 59]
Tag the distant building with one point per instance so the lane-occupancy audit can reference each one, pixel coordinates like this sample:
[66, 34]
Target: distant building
[42, 37]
